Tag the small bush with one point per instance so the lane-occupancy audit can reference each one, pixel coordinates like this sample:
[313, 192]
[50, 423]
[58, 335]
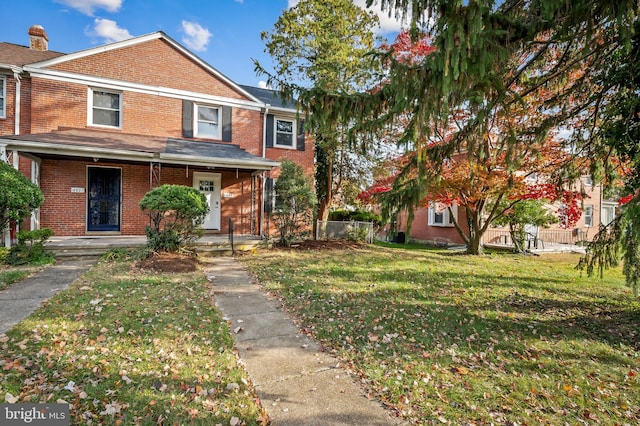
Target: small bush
[343, 215]
[30, 248]
[19, 196]
[4, 254]
[176, 213]
[295, 203]
[357, 234]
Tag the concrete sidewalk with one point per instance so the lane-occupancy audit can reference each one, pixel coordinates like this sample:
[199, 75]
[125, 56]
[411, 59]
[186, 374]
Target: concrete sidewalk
[297, 383]
[19, 300]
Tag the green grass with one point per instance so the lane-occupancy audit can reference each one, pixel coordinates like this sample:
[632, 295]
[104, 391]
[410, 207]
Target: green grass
[124, 347]
[13, 275]
[443, 338]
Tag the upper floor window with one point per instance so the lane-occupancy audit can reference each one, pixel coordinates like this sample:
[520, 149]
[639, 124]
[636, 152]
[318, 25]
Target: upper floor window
[3, 97]
[207, 122]
[441, 215]
[588, 215]
[285, 133]
[105, 108]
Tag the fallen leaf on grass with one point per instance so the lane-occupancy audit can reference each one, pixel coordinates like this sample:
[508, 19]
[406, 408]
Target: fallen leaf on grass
[461, 370]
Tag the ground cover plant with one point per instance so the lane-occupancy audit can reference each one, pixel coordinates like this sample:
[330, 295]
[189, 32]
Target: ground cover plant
[126, 346]
[443, 338]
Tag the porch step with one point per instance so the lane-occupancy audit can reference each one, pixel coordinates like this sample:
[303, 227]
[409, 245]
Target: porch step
[83, 247]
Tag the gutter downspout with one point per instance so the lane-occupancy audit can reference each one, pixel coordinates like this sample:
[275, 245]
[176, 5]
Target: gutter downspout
[16, 120]
[16, 130]
[264, 155]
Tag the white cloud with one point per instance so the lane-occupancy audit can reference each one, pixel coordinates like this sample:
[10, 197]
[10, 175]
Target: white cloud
[196, 37]
[388, 24]
[89, 6]
[263, 85]
[108, 30]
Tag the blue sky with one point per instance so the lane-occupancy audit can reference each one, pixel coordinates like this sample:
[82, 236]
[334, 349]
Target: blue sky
[224, 33]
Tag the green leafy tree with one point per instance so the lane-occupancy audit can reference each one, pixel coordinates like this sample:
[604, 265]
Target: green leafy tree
[18, 197]
[521, 214]
[295, 203]
[177, 213]
[324, 44]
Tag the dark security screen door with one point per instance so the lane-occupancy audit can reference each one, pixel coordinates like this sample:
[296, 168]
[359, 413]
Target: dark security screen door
[103, 199]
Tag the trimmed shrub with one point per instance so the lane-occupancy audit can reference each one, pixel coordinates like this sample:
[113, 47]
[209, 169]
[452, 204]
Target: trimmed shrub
[18, 197]
[177, 213]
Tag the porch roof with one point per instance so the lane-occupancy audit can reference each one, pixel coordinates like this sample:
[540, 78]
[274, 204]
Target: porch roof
[106, 145]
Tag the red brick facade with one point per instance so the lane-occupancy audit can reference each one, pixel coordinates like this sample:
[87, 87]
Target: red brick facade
[154, 77]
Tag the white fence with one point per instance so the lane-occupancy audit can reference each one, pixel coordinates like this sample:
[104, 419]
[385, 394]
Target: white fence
[337, 230]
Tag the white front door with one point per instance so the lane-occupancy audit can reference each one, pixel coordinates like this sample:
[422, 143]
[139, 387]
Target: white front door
[209, 184]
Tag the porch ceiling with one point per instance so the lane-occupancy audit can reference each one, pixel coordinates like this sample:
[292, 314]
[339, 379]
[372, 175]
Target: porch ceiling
[106, 145]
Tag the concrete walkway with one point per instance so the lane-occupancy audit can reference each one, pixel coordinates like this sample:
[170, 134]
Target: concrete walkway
[297, 383]
[19, 300]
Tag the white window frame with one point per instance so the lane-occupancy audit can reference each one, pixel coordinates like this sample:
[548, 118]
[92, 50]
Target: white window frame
[3, 95]
[90, 107]
[588, 214]
[436, 209]
[610, 208]
[294, 134]
[196, 133]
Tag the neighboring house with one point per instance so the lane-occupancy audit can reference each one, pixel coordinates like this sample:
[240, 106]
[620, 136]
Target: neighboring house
[435, 223]
[98, 128]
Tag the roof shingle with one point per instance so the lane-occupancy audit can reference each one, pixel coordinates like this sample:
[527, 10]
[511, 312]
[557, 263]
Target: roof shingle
[14, 54]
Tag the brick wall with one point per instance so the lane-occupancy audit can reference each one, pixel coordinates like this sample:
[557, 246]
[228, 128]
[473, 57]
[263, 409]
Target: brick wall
[155, 63]
[65, 212]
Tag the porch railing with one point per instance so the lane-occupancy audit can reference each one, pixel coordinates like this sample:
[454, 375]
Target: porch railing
[543, 236]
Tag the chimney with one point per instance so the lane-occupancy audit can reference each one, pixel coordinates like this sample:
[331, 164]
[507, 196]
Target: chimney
[38, 39]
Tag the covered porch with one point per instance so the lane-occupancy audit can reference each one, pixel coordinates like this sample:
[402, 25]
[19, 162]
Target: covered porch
[93, 180]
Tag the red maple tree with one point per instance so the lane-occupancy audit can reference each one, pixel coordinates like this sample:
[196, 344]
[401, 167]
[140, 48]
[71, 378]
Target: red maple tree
[485, 173]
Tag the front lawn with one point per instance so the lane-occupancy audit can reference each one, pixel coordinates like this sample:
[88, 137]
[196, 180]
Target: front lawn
[126, 347]
[444, 338]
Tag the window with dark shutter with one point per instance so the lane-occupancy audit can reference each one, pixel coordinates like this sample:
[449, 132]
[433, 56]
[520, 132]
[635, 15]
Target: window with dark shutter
[269, 132]
[300, 146]
[226, 124]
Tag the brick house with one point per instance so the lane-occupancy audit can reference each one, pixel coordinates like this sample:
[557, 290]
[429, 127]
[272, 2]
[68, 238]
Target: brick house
[434, 224]
[98, 128]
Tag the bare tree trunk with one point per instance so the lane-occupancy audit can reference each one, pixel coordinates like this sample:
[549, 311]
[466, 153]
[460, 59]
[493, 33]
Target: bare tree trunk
[324, 204]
